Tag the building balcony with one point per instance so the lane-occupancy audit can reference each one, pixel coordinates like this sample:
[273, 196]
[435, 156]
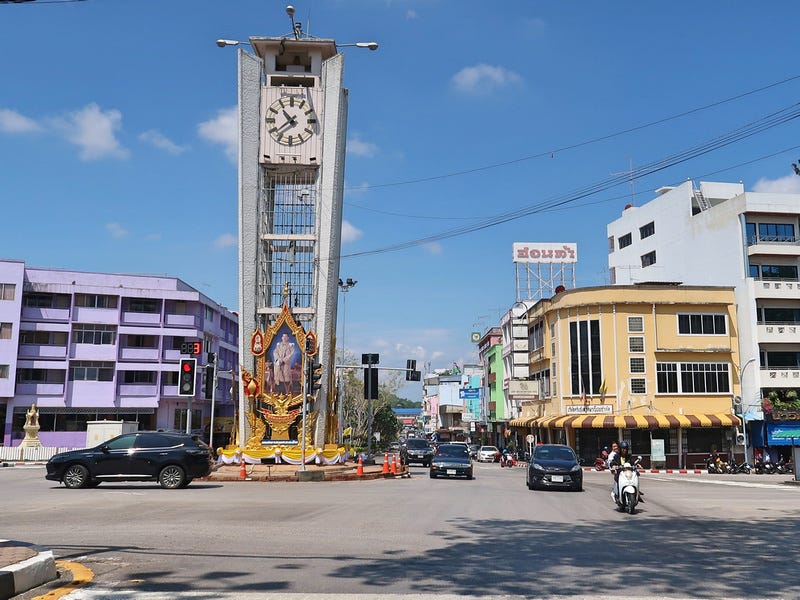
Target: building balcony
[181, 321]
[45, 314]
[139, 354]
[140, 318]
[780, 377]
[778, 332]
[103, 316]
[137, 389]
[175, 356]
[169, 390]
[783, 289]
[102, 352]
[39, 389]
[39, 351]
[773, 246]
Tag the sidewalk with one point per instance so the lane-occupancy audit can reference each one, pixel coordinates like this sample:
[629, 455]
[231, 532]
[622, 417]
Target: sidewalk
[23, 567]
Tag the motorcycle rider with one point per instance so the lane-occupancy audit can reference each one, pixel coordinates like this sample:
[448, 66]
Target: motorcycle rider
[612, 454]
[616, 462]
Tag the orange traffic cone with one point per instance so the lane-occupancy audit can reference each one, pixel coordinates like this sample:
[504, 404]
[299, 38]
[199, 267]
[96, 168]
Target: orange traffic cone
[360, 469]
[394, 464]
[243, 470]
[385, 468]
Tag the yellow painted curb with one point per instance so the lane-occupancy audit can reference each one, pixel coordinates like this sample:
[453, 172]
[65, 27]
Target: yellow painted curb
[80, 577]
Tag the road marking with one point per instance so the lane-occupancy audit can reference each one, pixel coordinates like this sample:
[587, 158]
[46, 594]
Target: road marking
[81, 576]
[752, 484]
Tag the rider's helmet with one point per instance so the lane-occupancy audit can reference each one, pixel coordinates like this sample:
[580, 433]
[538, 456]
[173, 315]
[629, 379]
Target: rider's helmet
[605, 448]
[623, 445]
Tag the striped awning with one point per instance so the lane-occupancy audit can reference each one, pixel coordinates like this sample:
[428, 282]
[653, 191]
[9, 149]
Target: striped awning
[630, 421]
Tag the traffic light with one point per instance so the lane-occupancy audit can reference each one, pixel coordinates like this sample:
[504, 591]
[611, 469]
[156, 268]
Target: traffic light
[411, 366]
[370, 383]
[314, 375]
[186, 377]
[212, 358]
[208, 390]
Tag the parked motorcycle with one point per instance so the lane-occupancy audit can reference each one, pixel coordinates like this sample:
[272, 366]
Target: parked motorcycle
[766, 468]
[784, 467]
[714, 464]
[743, 467]
[628, 487]
[508, 460]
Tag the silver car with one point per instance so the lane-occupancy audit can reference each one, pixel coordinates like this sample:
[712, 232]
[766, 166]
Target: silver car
[487, 453]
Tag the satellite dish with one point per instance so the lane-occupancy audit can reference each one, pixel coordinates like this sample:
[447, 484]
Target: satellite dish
[475, 337]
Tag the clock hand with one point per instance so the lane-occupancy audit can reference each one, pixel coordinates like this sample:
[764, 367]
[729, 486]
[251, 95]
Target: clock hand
[288, 116]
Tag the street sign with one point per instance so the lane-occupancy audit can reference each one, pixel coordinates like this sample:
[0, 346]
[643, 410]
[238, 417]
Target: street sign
[370, 359]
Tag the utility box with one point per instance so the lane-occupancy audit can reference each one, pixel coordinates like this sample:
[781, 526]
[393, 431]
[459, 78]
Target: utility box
[98, 432]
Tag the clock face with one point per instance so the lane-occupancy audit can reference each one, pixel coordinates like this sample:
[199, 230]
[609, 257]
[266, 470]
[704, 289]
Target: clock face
[291, 120]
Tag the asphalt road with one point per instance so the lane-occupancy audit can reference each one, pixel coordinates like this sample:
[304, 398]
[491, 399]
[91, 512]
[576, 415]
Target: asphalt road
[696, 536]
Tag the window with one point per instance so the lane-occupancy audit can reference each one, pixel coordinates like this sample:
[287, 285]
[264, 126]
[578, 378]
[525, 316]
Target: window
[43, 338]
[625, 241]
[37, 300]
[636, 344]
[778, 272]
[536, 335]
[7, 291]
[636, 324]
[94, 334]
[209, 314]
[40, 376]
[91, 371]
[649, 259]
[180, 418]
[780, 315]
[702, 324]
[585, 359]
[3, 371]
[142, 341]
[750, 229]
[611, 244]
[692, 378]
[637, 364]
[667, 378]
[647, 230]
[141, 377]
[144, 305]
[638, 386]
[95, 301]
[5, 331]
[754, 271]
[775, 232]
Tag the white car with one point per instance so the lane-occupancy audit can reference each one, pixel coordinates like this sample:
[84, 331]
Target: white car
[486, 453]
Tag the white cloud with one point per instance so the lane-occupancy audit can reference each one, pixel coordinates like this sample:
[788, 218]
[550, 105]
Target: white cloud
[350, 233]
[158, 140]
[116, 230]
[226, 240]
[790, 184]
[358, 147]
[411, 14]
[222, 129]
[93, 130]
[350, 190]
[483, 78]
[534, 25]
[13, 122]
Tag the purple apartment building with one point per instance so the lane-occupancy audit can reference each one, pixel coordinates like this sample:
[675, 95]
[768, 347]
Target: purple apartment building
[102, 346]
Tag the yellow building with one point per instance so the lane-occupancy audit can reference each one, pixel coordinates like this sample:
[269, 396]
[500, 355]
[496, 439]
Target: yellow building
[655, 365]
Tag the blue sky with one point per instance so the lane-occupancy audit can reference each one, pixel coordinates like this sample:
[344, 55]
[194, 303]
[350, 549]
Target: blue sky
[117, 139]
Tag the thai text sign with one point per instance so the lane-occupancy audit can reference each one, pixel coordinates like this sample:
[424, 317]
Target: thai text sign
[543, 252]
[590, 409]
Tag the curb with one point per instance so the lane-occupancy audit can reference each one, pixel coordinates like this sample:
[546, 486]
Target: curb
[22, 463]
[35, 567]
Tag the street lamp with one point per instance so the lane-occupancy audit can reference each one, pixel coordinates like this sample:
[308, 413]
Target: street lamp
[345, 286]
[222, 43]
[745, 406]
[371, 45]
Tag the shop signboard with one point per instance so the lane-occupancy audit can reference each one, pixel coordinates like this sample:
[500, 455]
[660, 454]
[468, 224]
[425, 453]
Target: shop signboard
[590, 409]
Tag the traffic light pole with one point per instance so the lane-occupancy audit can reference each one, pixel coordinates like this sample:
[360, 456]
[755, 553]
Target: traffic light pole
[213, 400]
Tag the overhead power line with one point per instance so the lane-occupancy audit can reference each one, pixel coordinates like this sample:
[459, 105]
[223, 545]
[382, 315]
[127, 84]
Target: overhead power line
[748, 130]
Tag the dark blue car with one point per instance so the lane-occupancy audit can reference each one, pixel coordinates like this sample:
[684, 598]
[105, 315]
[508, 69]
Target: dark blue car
[554, 466]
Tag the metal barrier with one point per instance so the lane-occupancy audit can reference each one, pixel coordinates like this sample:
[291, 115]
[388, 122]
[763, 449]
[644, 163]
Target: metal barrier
[29, 454]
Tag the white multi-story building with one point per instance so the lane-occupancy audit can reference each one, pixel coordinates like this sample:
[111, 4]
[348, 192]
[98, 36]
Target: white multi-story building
[721, 235]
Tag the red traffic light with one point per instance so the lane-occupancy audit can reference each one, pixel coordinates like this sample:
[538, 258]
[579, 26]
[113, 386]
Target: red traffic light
[187, 367]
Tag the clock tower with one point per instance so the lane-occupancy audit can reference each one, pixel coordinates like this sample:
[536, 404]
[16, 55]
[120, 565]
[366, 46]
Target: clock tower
[292, 125]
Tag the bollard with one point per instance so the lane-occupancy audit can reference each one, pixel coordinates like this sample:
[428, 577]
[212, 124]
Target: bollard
[385, 468]
[360, 469]
[243, 469]
[394, 464]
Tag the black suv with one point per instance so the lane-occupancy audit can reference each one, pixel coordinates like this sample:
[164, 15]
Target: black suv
[416, 450]
[172, 459]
